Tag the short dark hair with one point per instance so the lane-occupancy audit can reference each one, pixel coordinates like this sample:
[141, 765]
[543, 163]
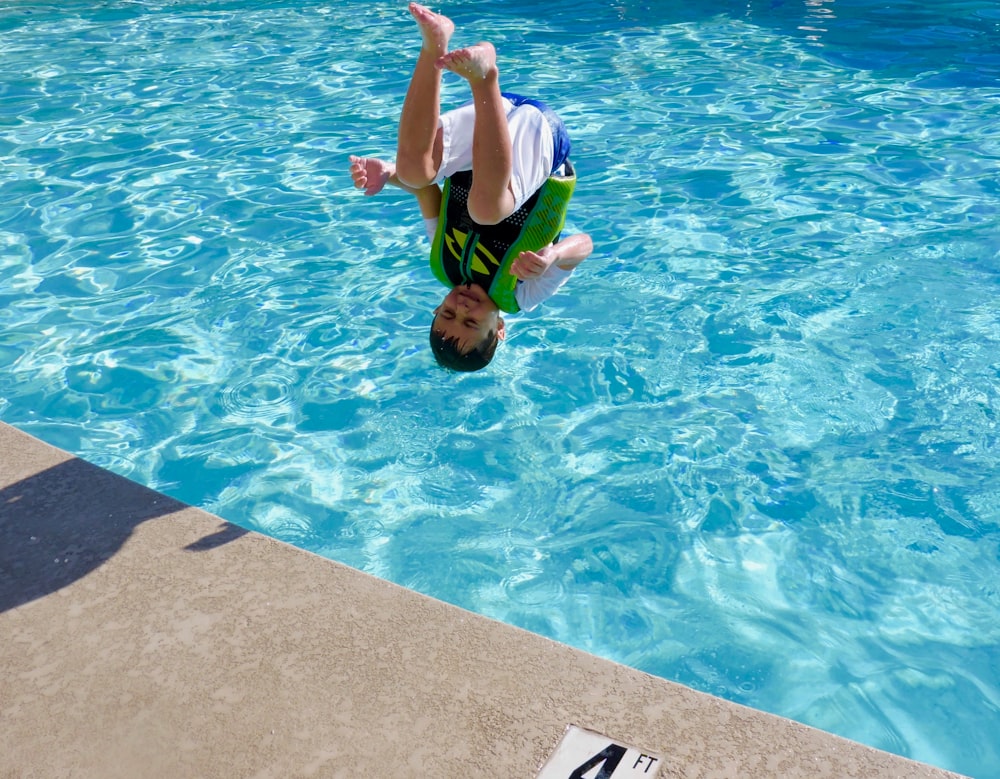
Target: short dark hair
[448, 355]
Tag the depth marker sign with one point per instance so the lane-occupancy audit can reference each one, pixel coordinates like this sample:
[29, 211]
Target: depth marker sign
[584, 754]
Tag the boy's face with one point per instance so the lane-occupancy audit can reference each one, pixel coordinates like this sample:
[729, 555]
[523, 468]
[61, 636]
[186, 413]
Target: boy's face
[467, 315]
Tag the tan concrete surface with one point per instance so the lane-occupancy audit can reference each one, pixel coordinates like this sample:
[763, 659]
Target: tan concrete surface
[143, 638]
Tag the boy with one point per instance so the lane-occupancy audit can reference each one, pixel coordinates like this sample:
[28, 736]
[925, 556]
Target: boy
[507, 179]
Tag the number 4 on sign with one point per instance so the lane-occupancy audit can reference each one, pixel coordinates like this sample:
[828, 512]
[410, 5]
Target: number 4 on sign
[584, 754]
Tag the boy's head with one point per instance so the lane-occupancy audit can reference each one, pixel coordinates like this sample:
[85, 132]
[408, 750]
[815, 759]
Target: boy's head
[466, 329]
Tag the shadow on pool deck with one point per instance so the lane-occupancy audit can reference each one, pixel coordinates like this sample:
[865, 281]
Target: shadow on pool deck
[58, 525]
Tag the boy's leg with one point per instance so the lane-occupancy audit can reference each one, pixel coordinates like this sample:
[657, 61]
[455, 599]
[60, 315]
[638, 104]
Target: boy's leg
[418, 153]
[491, 199]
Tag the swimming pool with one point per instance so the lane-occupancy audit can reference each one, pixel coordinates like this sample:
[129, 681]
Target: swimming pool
[752, 447]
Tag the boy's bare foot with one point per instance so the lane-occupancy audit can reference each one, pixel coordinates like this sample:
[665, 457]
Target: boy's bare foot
[435, 28]
[474, 63]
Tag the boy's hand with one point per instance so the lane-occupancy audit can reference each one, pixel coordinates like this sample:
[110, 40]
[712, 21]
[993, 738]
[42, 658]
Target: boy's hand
[531, 265]
[370, 173]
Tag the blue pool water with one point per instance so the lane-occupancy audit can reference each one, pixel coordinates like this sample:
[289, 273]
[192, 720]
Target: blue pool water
[753, 447]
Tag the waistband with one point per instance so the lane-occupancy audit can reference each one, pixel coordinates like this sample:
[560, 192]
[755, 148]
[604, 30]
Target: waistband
[560, 136]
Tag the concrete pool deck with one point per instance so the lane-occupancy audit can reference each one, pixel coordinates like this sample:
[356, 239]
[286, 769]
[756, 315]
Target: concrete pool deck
[140, 637]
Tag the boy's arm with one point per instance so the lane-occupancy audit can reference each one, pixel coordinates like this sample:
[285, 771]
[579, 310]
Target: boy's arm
[573, 250]
[566, 255]
[372, 174]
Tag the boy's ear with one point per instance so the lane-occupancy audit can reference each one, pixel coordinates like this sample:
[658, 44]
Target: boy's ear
[501, 329]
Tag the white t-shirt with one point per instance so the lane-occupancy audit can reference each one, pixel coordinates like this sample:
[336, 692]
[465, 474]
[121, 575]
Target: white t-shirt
[530, 138]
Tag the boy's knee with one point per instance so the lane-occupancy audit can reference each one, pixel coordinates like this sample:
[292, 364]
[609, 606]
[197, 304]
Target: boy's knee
[487, 210]
[414, 172]
[416, 165]
[486, 217]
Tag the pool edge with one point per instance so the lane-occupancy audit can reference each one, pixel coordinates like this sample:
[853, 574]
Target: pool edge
[140, 636]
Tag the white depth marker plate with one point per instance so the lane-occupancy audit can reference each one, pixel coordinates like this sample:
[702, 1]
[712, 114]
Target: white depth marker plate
[584, 754]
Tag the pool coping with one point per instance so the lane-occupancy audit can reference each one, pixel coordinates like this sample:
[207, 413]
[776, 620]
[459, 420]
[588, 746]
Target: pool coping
[143, 637]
